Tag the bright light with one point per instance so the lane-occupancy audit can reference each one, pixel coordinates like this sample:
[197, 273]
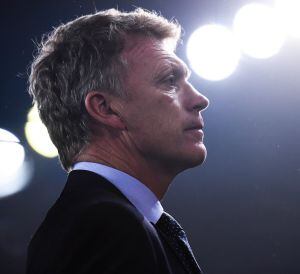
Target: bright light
[258, 30]
[213, 52]
[288, 12]
[12, 166]
[37, 135]
[17, 181]
[11, 154]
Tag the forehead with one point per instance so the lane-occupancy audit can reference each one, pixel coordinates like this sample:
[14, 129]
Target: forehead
[147, 56]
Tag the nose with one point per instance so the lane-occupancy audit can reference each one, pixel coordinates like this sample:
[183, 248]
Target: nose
[199, 102]
[202, 103]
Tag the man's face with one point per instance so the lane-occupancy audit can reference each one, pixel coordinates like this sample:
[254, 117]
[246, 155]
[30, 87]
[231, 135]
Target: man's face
[163, 107]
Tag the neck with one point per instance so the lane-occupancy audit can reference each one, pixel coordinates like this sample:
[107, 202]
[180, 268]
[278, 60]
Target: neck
[116, 155]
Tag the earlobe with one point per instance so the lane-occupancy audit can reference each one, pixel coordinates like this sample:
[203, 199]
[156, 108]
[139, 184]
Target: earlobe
[98, 105]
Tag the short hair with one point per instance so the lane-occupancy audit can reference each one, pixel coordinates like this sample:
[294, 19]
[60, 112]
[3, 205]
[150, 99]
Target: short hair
[85, 55]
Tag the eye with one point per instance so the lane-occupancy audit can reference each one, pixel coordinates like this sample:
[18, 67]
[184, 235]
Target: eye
[171, 80]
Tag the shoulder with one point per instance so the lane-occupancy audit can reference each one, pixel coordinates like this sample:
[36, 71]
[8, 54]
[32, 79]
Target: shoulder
[120, 237]
[107, 236]
[90, 200]
[118, 219]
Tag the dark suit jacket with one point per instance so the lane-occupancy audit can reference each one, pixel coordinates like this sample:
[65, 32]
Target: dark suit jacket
[93, 228]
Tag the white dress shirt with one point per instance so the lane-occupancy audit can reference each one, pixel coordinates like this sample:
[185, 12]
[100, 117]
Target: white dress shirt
[136, 192]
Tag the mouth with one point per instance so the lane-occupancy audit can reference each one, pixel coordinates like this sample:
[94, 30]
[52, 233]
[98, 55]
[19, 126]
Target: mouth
[196, 132]
[198, 126]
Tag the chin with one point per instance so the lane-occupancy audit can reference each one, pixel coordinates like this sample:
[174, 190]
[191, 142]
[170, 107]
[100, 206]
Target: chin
[201, 154]
[196, 156]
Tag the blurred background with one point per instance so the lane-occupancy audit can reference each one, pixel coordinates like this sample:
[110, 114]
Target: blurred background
[241, 208]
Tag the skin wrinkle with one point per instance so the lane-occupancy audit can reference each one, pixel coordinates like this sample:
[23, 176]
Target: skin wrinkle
[151, 143]
[166, 63]
[172, 65]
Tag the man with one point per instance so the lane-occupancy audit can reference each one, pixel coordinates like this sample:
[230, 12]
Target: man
[118, 106]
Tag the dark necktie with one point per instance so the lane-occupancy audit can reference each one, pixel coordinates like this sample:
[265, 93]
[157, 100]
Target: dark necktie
[176, 237]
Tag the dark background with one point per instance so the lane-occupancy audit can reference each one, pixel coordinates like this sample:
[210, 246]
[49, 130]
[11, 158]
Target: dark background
[241, 208]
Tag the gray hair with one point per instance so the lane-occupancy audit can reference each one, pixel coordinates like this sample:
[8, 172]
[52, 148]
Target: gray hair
[85, 55]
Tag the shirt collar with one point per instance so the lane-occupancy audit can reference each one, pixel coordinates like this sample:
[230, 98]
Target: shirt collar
[136, 192]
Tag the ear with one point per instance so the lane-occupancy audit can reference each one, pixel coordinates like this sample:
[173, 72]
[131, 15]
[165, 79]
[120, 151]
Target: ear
[98, 105]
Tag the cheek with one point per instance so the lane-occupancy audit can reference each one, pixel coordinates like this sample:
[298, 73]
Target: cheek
[155, 118]
[166, 116]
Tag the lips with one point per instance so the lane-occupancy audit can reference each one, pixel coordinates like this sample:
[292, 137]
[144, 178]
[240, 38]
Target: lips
[197, 126]
[196, 130]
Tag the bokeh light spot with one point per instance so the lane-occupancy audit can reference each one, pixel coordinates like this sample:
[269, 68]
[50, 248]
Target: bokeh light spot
[213, 52]
[13, 176]
[258, 30]
[37, 135]
[288, 12]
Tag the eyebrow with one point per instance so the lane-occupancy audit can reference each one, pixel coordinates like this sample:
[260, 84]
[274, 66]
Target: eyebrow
[178, 68]
[187, 72]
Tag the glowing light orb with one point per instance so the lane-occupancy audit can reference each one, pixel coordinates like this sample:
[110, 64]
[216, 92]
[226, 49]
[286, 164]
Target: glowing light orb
[213, 52]
[288, 12]
[12, 157]
[11, 154]
[37, 135]
[258, 30]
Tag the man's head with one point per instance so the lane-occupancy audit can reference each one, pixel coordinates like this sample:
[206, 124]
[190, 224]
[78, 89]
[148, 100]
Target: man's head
[126, 60]
[163, 119]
